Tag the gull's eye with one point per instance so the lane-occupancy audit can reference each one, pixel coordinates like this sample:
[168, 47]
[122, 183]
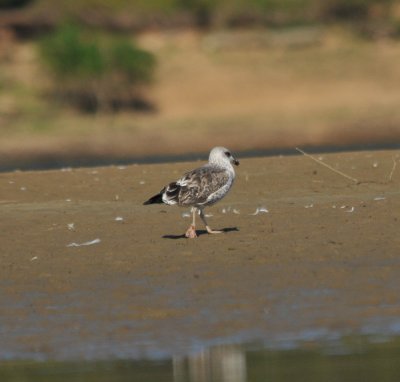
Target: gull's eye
[228, 154]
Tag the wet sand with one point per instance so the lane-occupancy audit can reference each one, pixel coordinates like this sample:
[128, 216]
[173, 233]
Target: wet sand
[323, 262]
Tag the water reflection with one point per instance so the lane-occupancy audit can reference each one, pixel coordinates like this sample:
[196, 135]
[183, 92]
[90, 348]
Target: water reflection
[223, 363]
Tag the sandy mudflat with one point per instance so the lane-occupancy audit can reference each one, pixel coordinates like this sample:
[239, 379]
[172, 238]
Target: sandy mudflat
[322, 263]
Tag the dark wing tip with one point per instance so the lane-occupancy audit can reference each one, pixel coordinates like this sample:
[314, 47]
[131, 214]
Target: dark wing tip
[154, 199]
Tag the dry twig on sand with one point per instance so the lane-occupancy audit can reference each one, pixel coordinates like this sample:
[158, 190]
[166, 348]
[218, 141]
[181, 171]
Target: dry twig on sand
[327, 165]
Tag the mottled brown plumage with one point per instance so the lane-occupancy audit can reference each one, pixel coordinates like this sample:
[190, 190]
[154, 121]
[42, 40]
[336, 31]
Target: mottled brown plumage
[197, 187]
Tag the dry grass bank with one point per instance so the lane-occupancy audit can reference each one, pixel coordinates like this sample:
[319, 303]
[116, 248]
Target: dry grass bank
[243, 89]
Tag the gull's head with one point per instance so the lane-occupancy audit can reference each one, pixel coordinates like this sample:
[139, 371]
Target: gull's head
[222, 156]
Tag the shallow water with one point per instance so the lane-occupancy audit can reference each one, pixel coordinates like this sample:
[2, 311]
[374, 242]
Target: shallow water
[79, 325]
[350, 359]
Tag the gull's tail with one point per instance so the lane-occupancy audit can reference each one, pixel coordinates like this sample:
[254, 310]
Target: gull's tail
[168, 195]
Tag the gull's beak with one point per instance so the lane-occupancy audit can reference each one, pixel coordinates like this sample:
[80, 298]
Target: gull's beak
[236, 162]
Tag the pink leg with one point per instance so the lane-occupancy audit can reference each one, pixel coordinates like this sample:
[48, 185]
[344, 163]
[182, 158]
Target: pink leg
[191, 231]
[209, 230]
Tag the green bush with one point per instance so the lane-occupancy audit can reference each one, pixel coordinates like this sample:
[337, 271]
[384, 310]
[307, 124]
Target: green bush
[67, 54]
[96, 72]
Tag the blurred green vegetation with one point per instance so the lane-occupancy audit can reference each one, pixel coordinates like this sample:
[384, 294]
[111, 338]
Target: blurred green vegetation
[94, 71]
[68, 54]
[91, 66]
[219, 12]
